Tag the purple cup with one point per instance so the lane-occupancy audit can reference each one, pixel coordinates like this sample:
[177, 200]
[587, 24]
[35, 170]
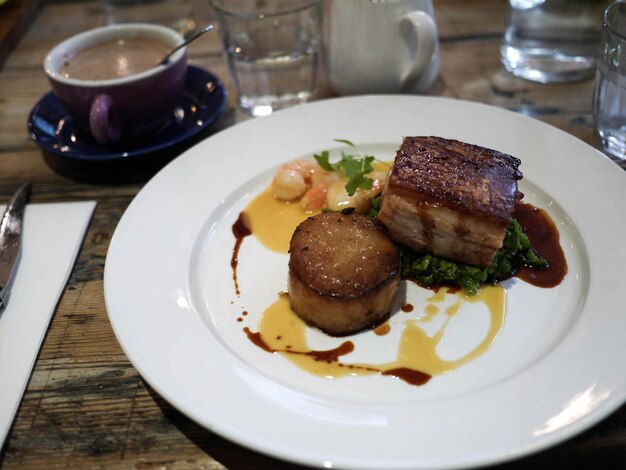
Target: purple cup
[122, 108]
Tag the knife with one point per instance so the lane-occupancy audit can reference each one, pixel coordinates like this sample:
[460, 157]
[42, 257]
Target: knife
[10, 241]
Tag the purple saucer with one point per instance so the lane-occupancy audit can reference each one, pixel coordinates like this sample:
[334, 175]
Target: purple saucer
[71, 150]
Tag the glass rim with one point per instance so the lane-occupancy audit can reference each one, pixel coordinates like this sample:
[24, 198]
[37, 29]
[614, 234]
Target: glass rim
[259, 16]
[609, 19]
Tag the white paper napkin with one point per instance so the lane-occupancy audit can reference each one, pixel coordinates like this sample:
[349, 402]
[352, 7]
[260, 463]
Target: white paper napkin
[51, 239]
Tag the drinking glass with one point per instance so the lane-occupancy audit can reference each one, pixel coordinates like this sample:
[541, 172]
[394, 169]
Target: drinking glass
[609, 97]
[552, 40]
[272, 49]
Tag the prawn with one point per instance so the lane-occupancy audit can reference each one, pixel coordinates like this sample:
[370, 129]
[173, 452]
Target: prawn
[288, 184]
[294, 179]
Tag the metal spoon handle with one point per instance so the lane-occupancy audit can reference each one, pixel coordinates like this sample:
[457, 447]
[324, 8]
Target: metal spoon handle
[187, 41]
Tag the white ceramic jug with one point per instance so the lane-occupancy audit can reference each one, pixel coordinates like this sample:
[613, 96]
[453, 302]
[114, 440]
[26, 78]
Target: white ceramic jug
[381, 46]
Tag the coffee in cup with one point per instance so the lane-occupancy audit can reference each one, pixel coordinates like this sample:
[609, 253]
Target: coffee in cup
[109, 79]
[114, 59]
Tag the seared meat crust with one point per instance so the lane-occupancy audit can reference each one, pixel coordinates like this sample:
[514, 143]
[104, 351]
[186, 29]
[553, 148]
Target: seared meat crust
[450, 198]
[344, 272]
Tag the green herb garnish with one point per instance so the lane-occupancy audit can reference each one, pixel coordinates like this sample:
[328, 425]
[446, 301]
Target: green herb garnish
[355, 168]
[432, 270]
[374, 206]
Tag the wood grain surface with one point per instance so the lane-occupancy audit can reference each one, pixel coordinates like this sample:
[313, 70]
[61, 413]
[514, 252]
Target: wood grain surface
[86, 406]
[17, 15]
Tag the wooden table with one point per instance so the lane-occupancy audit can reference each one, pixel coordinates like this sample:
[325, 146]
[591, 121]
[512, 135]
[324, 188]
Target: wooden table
[86, 406]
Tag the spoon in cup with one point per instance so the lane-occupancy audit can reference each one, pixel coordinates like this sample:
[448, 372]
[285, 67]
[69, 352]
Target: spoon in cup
[186, 42]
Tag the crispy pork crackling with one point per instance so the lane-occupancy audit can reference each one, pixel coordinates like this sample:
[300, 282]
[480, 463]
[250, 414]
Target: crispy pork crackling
[450, 198]
[344, 272]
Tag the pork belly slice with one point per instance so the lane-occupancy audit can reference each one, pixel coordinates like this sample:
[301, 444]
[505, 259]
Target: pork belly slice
[450, 198]
[344, 272]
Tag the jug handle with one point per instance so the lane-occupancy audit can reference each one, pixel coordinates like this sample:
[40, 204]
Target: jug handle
[424, 30]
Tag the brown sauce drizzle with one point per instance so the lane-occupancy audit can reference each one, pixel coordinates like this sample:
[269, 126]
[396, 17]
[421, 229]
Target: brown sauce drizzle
[410, 376]
[326, 355]
[382, 329]
[407, 308]
[544, 237]
[414, 377]
[240, 231]
[257, 340]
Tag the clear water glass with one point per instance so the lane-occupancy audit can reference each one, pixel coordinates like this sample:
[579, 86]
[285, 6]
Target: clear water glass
[552, 40]
[609, 97]
[272, 50]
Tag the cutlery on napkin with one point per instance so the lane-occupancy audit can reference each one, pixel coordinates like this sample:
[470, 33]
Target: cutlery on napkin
[51, 238]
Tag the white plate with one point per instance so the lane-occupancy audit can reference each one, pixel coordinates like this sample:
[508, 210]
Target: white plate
[556, 368]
